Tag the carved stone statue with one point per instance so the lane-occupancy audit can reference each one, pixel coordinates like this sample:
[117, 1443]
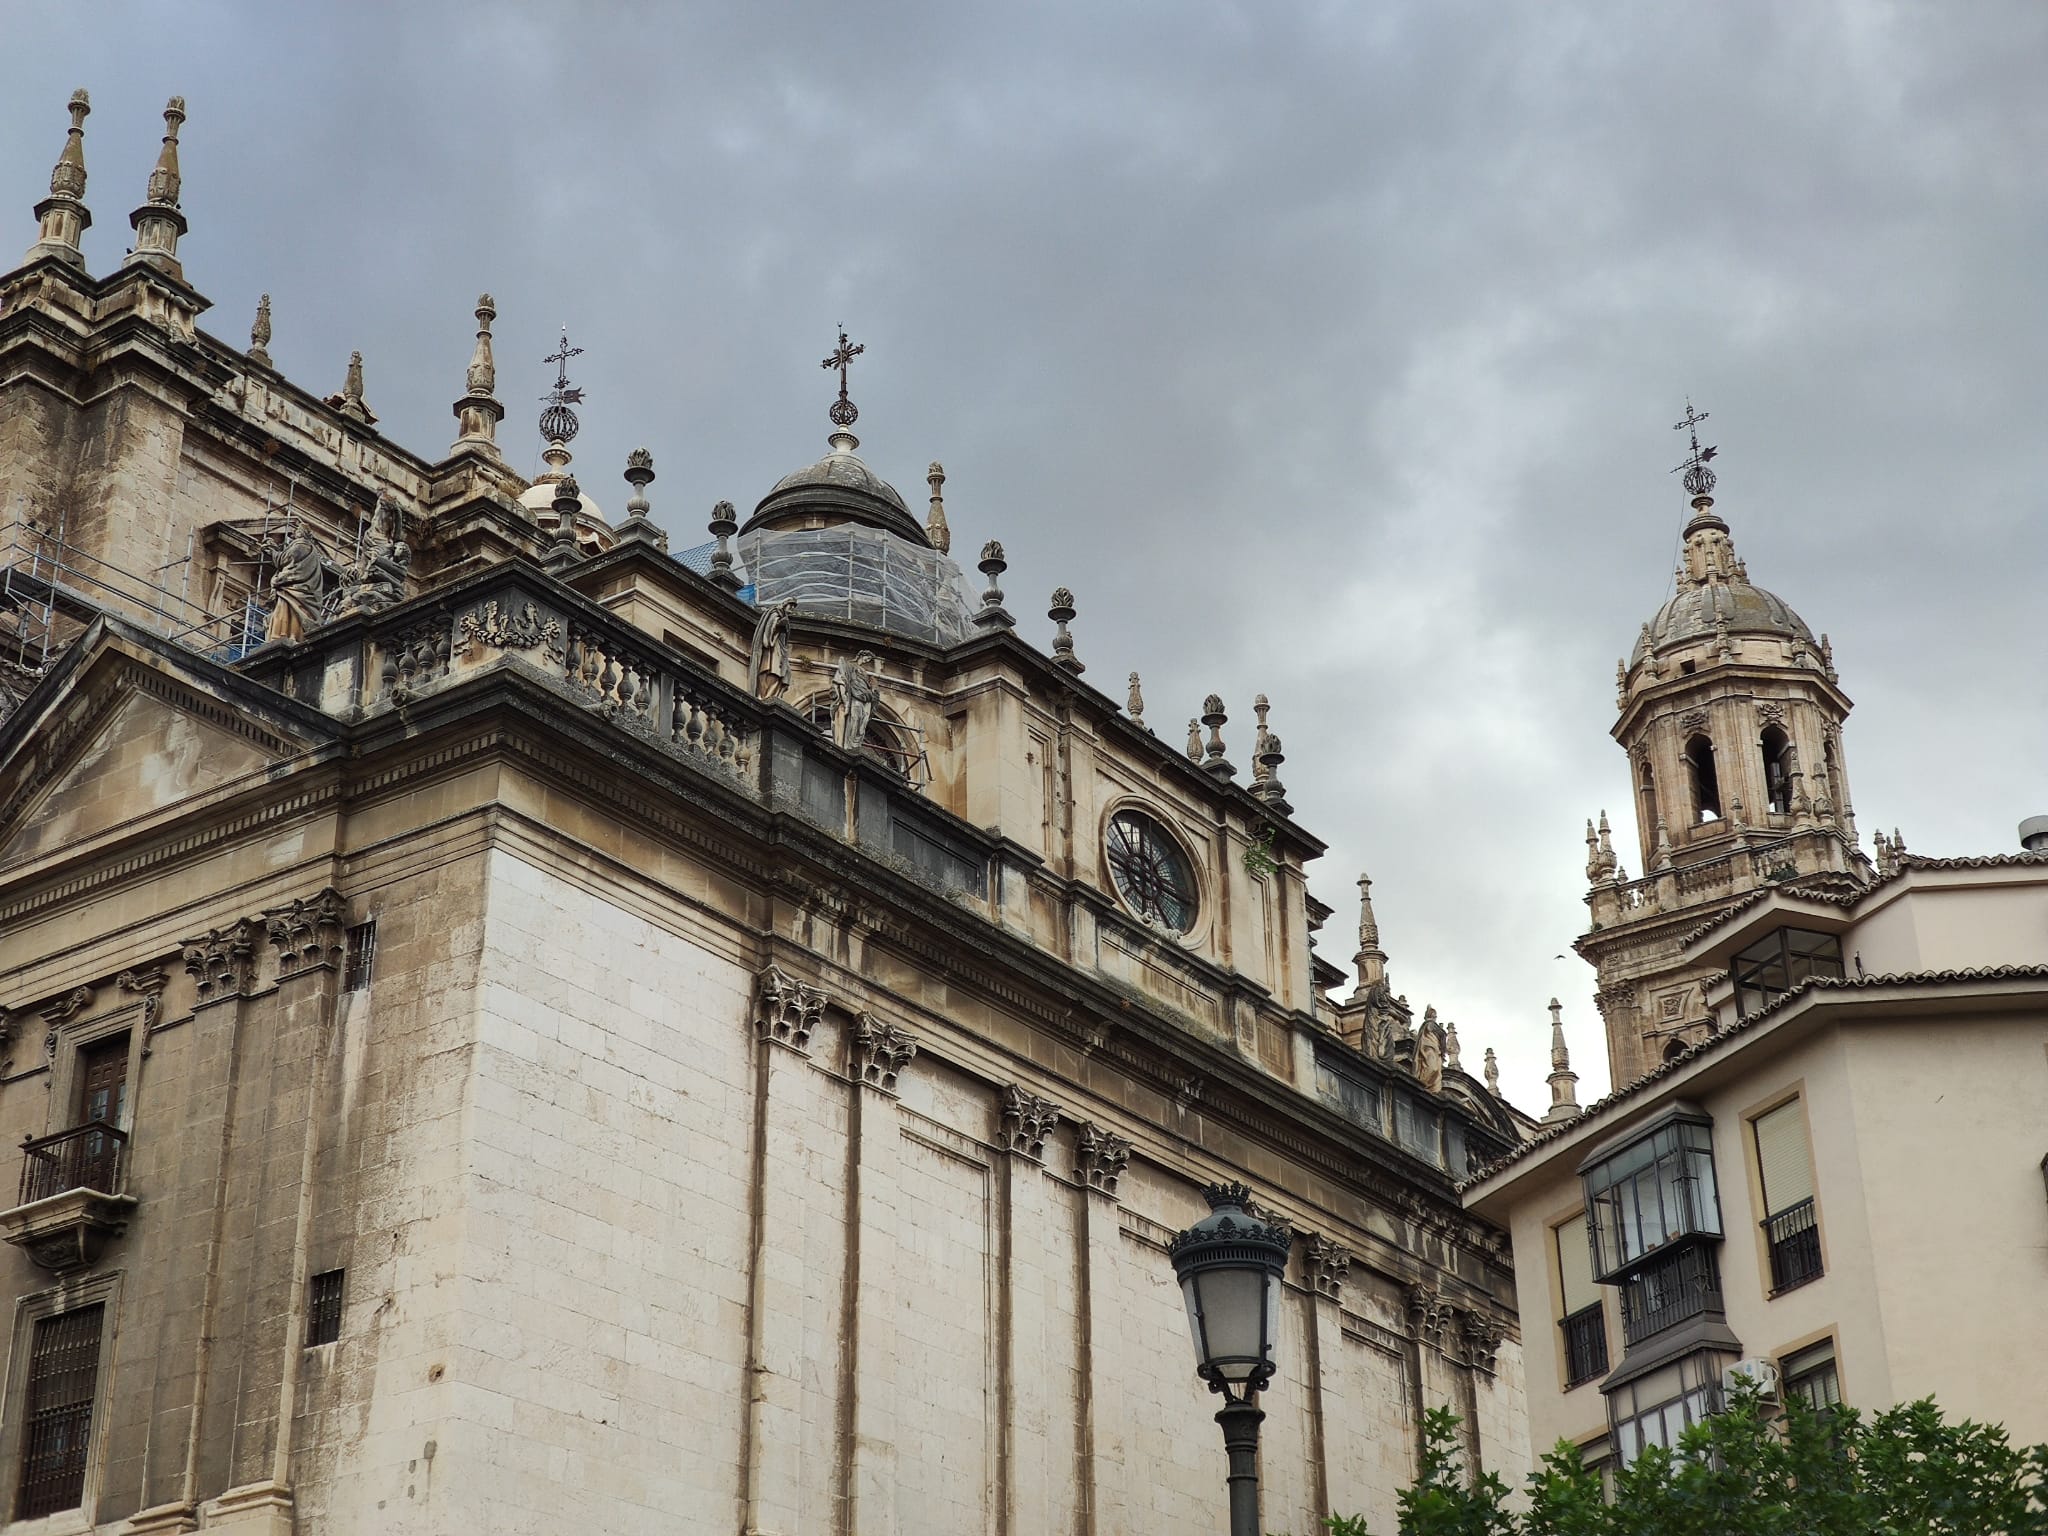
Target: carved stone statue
[380, 580]
[304, 573]
[768, 662]
[1429, 1053]
[853, 700]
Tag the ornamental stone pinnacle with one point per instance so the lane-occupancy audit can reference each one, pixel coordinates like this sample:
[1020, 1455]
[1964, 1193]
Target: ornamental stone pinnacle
[1134, 704]
[724, 523]
[350, 401]
[1215, 719]
[1061, 612]
[935, 527]
[62, 216]
[158, 222]
[259, 333]
[992, 565]
[639, 527]
[479, 411]
[1564, 1082]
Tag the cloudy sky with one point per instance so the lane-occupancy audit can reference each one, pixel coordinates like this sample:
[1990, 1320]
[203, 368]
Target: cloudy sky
[1329, 351]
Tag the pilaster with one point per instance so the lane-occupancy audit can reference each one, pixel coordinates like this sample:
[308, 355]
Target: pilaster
[786, 1012]
[878, 1052]
[1030, 1456]
[1101, 1158]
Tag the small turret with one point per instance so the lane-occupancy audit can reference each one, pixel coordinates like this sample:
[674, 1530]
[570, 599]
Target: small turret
[158, 222]
[62, 216]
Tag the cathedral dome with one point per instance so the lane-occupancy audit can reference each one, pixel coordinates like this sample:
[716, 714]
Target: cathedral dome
[1697, 613]
[838, 489]
[1715, 593]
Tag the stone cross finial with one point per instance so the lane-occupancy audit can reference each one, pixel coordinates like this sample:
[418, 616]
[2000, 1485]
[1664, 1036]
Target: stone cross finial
[992, 565]
[1215, 719]
[1062, 613]
[259, 333]
[479, 411]
[723, 525]
[158, 223]
[350, 401]
[1134, 703]
[935, 527]
[62, 216]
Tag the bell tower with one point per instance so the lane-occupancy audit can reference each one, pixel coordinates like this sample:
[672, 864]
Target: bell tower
[1731, 714]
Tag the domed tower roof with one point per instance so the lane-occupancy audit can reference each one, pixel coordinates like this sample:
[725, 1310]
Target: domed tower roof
[1715, 592]
[839, 488]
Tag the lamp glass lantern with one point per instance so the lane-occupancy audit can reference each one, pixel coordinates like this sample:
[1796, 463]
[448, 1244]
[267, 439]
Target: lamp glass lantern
[1229, 1265]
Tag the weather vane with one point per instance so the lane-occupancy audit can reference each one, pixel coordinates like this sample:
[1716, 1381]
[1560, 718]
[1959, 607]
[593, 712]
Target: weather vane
[558, 423]
[844, 412]
[1699, 480]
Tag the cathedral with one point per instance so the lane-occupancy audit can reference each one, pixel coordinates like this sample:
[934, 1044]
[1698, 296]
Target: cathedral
[517, 1022]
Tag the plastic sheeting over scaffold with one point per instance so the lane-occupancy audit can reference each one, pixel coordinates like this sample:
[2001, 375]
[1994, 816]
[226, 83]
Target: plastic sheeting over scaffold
[862, 576]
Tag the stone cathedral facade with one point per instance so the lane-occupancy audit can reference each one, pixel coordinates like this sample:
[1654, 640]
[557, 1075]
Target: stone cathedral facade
[514, 1028]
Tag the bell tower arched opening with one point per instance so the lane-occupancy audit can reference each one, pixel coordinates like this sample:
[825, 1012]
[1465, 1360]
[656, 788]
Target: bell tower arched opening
[1776, 747]
[1706, 784]
[1646, 793]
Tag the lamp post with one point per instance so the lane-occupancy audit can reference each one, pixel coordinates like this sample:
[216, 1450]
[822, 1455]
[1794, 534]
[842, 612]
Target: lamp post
[1229, 1266]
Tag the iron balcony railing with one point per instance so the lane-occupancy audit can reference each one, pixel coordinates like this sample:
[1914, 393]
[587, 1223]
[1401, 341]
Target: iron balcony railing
[1794, 1238]
[89, 1156]
[1585, 1344]
[1670, 1288]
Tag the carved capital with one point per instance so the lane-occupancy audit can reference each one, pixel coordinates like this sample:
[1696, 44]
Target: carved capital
[222, 961]
[1619, 997]
[1327, 1264]
[787, 1010]
[1483, 1337]
[1100, 1158]
[310, 932]
[1429, 1316]
[880, 1051]
[1028, 1118]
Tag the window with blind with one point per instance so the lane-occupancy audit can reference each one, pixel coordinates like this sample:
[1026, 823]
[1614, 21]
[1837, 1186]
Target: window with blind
[1582, 1317]
[1811, 1377]
[1791, 1224]
[63, 1375]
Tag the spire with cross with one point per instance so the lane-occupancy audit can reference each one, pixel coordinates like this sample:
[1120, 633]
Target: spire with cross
[1699, 480]
[558, 423]
[844, 412]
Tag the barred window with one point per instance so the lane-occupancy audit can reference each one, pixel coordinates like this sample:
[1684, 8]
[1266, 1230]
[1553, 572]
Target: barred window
[360, 957]
[323, 1308]
[63, 1376]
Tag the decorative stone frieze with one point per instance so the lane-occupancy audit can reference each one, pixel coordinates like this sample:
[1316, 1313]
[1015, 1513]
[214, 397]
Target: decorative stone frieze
[880, 1051]
[310, 932]
[1028, 1118]
[1429, 1317]
[788, 1009]
[1100, 1158]
[490, 625]
[222, 961]
[1326, 1264]
[1483, 1337]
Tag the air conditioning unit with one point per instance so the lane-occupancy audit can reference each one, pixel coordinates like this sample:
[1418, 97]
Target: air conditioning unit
[1759, 1373]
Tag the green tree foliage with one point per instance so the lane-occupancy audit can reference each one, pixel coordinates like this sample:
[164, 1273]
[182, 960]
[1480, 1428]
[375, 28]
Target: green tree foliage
[1904, 1472]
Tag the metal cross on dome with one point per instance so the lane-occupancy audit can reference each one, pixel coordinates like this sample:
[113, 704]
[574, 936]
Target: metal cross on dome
[844, 412]
[1699, 479]
[558, 423]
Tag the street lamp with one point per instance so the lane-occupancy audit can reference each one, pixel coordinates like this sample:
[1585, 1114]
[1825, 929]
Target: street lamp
[1229, 1266]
